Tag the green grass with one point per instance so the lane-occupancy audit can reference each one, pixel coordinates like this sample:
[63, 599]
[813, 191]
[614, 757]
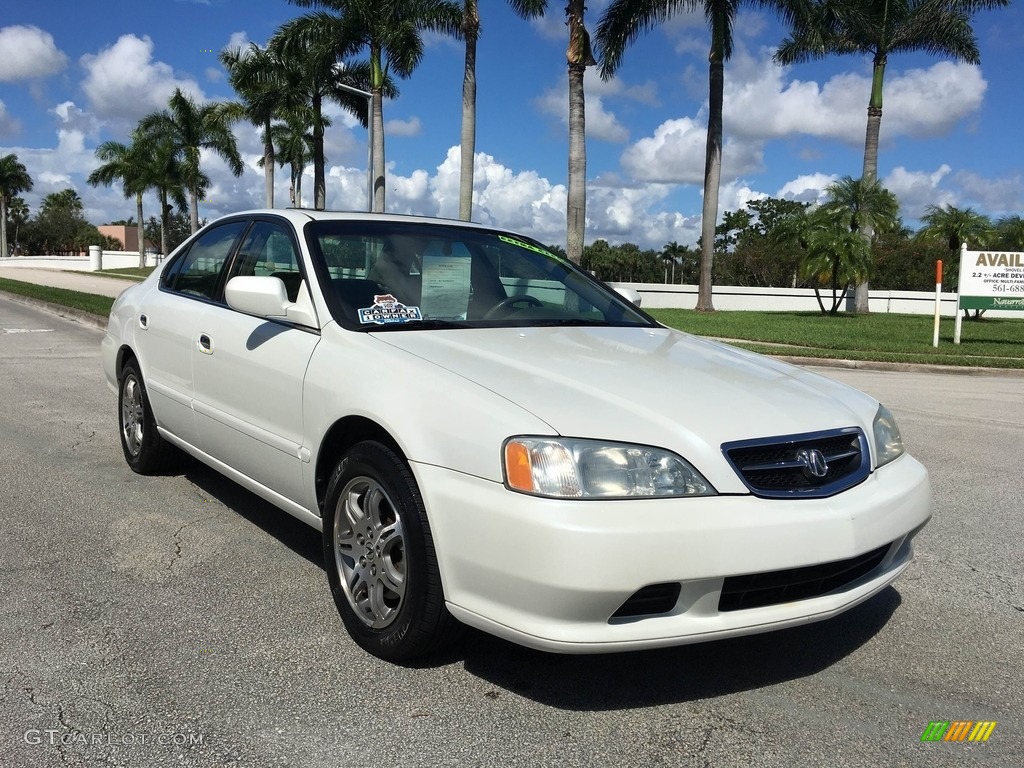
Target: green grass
[997, 343]
[86, 302]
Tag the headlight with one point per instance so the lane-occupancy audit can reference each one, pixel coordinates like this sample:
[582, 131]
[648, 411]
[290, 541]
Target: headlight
[888, 442]
[566, 468]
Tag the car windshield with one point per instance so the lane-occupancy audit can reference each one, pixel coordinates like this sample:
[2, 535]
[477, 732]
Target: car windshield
[413, 276]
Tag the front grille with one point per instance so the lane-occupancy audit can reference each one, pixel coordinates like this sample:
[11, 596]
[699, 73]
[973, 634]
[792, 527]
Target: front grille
[812, 465]
[650, 600]
[757, 590]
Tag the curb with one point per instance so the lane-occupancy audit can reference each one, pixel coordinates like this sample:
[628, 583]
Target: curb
[878, 365]
[76, 315]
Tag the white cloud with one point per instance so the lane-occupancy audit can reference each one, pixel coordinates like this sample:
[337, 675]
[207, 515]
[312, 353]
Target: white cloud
[123, 83]
[237, 40]
[916, 190]
[675, 154]
[9, 126]
[999, 197]
[809, 188]
[214, 75]
[760, 103]
[28, 53]
[734, 196]
[410, 127]
[601, 124]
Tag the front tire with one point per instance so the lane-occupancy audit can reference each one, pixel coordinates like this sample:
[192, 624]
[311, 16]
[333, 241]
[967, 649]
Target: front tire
[380, 557]
[146, 452]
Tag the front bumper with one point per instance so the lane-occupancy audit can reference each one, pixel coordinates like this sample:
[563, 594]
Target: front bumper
[550, 574]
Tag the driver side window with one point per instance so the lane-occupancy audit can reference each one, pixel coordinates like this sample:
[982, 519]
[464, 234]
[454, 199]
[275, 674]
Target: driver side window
[268, 249]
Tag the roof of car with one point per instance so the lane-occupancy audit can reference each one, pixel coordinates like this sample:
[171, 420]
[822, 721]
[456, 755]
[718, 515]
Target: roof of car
[302, 215]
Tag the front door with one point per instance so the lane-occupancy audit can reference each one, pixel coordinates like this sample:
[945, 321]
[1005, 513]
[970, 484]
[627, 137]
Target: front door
[249, 373]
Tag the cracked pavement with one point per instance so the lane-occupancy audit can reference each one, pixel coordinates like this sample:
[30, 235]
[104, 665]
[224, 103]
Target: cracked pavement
[180, 621]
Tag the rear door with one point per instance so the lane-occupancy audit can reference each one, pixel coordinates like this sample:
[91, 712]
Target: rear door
[167, 323]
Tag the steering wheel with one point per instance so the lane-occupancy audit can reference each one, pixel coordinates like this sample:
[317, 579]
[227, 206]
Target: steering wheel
[510, 301]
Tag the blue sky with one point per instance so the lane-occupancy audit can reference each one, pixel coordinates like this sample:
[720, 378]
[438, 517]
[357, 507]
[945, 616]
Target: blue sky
[75, 74]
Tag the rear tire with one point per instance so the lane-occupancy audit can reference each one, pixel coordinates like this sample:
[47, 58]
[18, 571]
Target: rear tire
[380, 557]
[146, 452]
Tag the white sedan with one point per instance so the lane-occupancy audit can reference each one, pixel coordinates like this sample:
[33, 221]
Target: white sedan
[488, 436]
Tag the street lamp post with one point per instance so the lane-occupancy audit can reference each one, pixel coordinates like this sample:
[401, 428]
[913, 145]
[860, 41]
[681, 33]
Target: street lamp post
[369, 140]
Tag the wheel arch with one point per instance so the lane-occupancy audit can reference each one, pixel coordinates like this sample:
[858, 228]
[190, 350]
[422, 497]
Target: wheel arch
[342, 435]
[124, 354]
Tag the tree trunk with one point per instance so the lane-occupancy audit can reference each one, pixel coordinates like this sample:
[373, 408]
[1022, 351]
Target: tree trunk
[319, 185]
[712, 178]
[870, 171]
[467, 139]
[576, 199]
[268, 165]
[165, 211]
[3, 226]
[193, 209]
[377, 116]
[141, 231]
[578, 56]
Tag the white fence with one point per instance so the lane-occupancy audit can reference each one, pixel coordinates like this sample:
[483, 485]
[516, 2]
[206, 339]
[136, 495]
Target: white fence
[659, 296]
[108, 260]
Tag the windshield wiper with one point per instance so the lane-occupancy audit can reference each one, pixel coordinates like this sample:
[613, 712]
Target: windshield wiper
[569, 321]
[419, 325]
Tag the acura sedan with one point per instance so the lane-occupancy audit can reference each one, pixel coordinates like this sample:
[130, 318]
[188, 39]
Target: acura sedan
[486, 435]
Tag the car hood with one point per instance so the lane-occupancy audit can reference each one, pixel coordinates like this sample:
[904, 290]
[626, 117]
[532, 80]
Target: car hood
[653, 386]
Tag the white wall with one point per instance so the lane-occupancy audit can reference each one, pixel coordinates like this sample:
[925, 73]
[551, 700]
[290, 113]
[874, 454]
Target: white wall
[659, 296]
[111, 260]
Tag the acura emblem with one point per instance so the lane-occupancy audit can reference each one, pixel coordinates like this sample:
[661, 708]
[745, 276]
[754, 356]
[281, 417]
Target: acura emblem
[813, 461]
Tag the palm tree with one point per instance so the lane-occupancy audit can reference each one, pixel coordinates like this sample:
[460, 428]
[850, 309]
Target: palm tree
[14, 178]
[621, 23]
[470, 34]
[164, 173]
[579, 56]
[293, 146]
[313, 49]
[391, 31]
[675, 253]
[467, 135]
[126, 163]
[953, 226]
[17, 214]
[190, 128]
[257, 75]
[871, 207]
[1010, 233]
[878, 28]
[833, 254]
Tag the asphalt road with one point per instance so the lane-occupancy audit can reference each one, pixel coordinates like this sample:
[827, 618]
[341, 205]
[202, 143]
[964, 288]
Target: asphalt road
[180, 621]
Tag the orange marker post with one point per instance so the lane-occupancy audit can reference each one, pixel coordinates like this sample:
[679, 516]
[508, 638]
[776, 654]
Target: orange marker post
[938, 301]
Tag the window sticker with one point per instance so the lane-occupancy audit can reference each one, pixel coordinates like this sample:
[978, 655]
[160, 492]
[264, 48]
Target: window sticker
[527, 246]
[387, 310]
[446, 287]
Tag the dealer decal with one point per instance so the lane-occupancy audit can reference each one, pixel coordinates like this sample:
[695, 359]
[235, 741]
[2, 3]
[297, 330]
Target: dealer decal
[387, 309]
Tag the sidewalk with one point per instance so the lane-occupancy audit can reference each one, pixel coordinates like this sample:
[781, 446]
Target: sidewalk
[85, 282]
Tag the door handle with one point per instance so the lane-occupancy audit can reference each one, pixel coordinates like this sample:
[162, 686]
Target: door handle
[205, 344]
[143, 322]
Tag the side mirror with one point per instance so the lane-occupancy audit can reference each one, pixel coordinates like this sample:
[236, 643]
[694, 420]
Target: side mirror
[629, 294]
[266, 296]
